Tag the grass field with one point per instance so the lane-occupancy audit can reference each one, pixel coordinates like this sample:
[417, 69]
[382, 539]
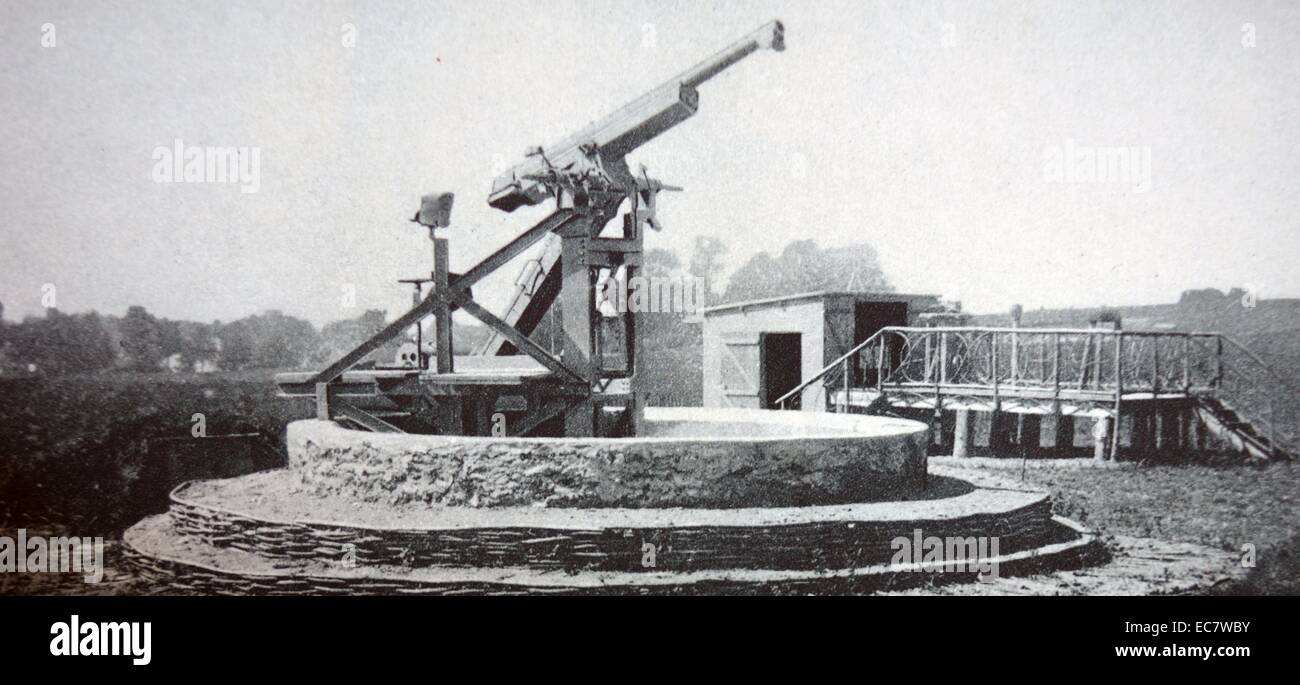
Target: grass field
[1225, 507]
[82, 451]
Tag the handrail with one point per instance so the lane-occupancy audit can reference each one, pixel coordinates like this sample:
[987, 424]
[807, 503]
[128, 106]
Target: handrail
[1030, 330]
[1276, 416]
[798, 390]
[1205, 360]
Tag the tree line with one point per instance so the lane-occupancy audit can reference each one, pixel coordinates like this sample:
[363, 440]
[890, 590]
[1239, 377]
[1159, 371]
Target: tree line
[60, 343]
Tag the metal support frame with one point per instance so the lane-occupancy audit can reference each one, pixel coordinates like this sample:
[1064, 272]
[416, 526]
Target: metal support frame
[578, 228]
[587, 177]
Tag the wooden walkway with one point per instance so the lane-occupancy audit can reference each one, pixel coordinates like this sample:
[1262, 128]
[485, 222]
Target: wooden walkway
[1103, 375]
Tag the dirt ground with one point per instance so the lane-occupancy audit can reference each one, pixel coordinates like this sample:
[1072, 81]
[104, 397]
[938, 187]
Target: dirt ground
[1235, 509]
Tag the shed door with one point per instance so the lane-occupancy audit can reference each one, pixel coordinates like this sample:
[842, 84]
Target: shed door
[782, 366]
[869, 318]
[742, 360]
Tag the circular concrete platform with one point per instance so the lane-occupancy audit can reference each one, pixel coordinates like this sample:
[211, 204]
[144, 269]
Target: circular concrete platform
[684, 457]
[265, 514]
[702, 502]
[258, 535]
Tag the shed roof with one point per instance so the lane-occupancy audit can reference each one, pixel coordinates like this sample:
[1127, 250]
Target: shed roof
[818, 295]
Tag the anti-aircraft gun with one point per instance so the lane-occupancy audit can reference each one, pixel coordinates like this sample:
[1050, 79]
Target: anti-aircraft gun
[592, 160]
[498, 391]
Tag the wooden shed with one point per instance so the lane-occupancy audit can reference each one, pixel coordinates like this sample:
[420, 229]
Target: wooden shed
[756, 351]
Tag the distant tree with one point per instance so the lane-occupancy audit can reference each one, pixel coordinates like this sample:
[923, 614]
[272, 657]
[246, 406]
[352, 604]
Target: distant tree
[236, 342]
[267, 341]
[804, 267]
[146, 340]
[60, 343]
[1108, 316]
[660, 262]
[94, 348]
[285, 341]
[706, 263]
[338, 337]
[197, 343]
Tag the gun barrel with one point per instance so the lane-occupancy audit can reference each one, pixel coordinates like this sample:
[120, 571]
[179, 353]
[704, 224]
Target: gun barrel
[770, 35]
[632, 125]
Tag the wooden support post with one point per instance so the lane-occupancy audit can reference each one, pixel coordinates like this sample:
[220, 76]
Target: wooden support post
[993, 366]
[1195, 430]
[1140, 440]
[1031, 428]
[323, 401]
[844, 403]
[1087, 359]
[961, 434]
[981, 429]
[1184, 419]
[930, 374]
[577, 323]
[938, 380]
[442, 310]
[1101, 437]
[1119, 394]
[1015, 353]
[1063, 434]
[1155, 368]
[880, 365]
[1158, 443]
[635, 335]
[943, 357]
[1168, 430]
[1001, 430]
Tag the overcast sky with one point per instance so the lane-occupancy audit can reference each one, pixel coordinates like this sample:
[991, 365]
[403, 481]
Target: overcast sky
[924, 129]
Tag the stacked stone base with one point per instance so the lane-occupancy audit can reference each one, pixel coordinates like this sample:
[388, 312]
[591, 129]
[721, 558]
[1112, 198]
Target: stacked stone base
[705, 502]
[250, 535]
[214, 571]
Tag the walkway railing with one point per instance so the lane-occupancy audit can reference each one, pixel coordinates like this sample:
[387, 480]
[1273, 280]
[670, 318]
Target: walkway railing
[1085, 369]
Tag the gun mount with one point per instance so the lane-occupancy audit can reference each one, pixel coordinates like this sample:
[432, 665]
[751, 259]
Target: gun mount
[498, 391]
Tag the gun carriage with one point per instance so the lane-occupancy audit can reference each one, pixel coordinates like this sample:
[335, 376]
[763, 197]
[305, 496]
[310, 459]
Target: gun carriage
[513, 386]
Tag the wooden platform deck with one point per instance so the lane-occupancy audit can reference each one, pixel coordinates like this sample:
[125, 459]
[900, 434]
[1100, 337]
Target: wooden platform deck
[472, 371]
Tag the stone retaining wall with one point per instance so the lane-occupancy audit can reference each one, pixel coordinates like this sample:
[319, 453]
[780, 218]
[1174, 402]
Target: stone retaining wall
[687, 457]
